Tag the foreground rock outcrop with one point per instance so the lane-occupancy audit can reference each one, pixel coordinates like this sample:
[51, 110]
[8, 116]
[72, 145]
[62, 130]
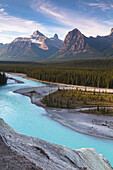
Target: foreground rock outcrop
[22, 152]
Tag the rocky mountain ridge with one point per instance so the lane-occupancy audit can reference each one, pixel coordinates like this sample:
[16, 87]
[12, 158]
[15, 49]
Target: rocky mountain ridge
[41, 40]
[34, 48]
[78, 46]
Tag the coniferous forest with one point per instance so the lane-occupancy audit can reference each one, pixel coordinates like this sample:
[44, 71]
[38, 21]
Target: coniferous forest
[96, 73]
[3, 79]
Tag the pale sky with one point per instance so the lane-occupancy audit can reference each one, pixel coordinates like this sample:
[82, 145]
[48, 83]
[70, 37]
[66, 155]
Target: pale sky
[23, 17]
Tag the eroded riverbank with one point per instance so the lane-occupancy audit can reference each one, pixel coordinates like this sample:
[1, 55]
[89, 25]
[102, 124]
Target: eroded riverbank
[98, 126]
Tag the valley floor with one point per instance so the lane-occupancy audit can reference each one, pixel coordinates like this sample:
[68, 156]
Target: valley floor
[93, 125]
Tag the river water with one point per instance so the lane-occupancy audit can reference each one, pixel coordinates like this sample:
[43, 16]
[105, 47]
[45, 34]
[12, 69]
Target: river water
[28, 119]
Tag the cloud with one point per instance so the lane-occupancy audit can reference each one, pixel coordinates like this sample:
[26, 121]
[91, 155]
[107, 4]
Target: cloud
[89, 27]
[11, 27]
[109, 23]
[45, 7]
[103, 6]
[61, 31]
[11, 23]
[2, 10]
[50, 12]
[63, 20]
[69, 19]
[6, 38]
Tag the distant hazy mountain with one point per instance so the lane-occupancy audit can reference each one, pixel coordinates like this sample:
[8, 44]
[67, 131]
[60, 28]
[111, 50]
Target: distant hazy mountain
[36, 47]
[2, 46]
[78, 46]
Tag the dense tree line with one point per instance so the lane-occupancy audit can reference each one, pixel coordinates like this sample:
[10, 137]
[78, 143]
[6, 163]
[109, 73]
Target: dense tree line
[3, 79]
[86, 76]
[71, 63]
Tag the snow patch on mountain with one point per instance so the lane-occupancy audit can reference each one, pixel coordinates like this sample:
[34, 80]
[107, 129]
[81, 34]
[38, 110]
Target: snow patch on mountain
[36, 41]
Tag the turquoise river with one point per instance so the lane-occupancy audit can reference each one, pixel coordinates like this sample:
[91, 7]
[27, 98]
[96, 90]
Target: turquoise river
[28, 119]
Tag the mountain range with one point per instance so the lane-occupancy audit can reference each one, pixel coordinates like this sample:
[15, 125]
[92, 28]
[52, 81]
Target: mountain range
[76, 45]
[36, 47]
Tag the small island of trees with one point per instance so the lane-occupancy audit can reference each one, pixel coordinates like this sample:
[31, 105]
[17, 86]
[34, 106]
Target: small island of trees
[99, 103]
[3, 79]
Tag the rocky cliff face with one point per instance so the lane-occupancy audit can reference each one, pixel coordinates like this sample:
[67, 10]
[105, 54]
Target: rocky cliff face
[56, 37]
[74, 41]
[38, 47]
[22, 152]
[111, 31]
[41, 41]
[34, 48]
[78, 46]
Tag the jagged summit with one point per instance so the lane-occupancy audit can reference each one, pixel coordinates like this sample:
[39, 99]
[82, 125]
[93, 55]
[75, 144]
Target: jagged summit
[74, 41]
[38, 37]
[78, 46]
[56, 36]
[75, 31]
[37, 33]
[32, 48]
[75, 46]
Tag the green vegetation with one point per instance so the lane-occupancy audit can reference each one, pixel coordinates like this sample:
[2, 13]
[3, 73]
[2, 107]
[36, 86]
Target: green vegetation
[3, 79]
[77, 98]
[96, 73]
[106, 111]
